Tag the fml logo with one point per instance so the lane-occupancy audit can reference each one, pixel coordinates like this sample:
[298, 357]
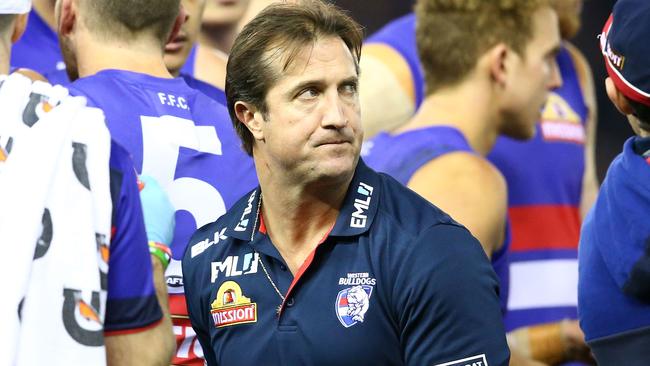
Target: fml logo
[229, 266]
[359, 217]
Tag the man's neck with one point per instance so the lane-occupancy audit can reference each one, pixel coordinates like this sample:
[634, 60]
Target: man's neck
[95, 56]
[45, 9]
[297, 216]
[467, 108]
[218, 37]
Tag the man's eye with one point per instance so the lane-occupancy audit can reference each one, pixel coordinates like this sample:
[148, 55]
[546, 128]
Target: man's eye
[308, 93]
[349, 88]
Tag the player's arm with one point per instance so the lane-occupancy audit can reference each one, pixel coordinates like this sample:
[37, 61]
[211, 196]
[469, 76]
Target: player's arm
[138, 328]
[469, 189]
[445, 296]
[150, 346]
[590, 180]
[386, 89]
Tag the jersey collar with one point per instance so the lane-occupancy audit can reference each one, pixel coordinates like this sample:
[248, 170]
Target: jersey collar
[355, 218]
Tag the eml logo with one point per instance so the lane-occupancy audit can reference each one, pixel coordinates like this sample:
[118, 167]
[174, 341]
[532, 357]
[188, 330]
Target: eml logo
[359, 217]
[479, 360]
[230, 264]
[243, 222]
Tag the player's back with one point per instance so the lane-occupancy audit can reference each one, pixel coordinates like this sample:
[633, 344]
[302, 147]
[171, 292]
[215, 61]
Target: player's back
[185, 141]
[178, 136]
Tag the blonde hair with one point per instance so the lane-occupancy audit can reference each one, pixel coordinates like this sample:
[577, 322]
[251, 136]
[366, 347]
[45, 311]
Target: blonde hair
[453, 34]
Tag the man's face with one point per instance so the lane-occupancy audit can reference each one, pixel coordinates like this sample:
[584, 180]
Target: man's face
[569, 14]
[224, 12]
[532, 76]
[177, 51]
[312, 128]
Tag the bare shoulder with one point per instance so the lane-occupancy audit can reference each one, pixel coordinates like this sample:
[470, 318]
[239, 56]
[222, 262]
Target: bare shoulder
[211, 67]
[387, 101]
[462, 169]
[31, 74]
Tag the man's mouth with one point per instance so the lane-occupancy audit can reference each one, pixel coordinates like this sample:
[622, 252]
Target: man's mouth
[176, 44]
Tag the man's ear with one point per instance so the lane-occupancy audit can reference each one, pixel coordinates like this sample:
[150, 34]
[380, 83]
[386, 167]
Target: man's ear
[251, 117]
[67, 17]
[498, 61]
[19, 27]
[181, 18]
[619, 100]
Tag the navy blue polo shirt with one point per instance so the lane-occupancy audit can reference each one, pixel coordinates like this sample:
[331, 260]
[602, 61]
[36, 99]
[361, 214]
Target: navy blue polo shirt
[395, 282]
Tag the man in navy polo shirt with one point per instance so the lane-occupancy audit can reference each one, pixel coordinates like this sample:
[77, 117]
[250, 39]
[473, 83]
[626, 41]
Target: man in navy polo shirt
[329, 262]
[614, 255]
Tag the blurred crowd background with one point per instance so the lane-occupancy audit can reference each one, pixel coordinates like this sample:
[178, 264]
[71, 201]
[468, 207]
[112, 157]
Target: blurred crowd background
[612, 126]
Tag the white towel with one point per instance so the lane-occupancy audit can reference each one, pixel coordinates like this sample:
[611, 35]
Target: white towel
[55, 210]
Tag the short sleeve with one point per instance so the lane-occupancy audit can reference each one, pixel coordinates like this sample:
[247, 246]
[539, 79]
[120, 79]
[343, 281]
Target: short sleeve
[131, 301]
[447, 302]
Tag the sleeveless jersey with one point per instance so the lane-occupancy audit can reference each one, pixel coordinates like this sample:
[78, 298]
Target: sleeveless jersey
[402, 155]
[186, 142]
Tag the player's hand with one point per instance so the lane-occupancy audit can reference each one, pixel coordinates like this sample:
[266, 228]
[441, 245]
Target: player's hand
[158, 211]
[575, 346]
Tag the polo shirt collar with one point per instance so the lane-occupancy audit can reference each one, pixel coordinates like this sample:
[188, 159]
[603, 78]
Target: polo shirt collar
[355, 218]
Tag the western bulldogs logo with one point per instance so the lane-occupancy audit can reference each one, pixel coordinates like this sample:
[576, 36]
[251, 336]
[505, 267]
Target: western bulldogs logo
[352, 304]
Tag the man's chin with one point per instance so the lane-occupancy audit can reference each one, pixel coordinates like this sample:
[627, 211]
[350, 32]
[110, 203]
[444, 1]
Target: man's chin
[336, 169]
[521, 132]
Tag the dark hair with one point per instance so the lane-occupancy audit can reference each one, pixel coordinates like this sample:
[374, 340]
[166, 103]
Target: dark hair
[642, 112]
[277, 35]
[125, 19]
[5, 22]
[452, 35]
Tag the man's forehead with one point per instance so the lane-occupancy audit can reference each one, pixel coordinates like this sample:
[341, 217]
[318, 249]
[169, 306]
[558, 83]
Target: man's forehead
[313, 57]
[546, 31]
